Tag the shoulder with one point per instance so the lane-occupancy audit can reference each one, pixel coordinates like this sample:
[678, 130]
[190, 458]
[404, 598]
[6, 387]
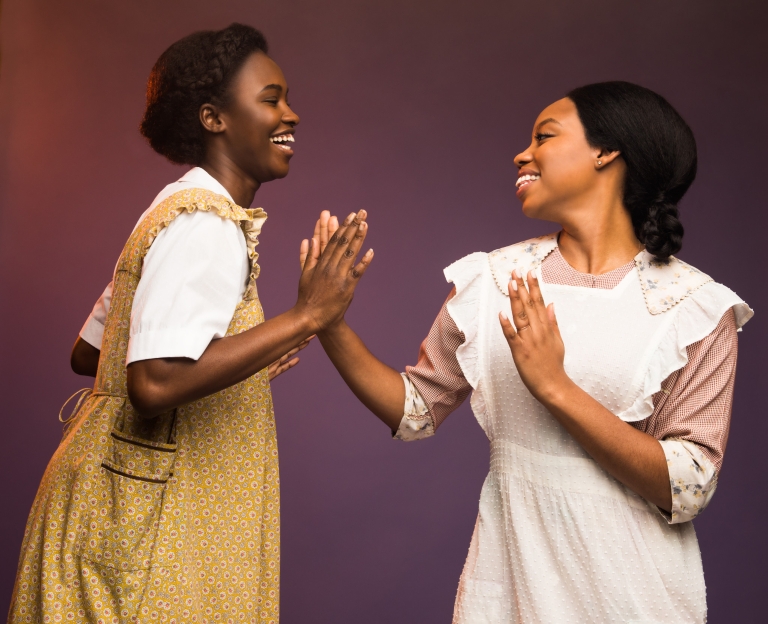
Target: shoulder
[669, 284]
[499, 264]
[665, 284]
[194, 199]
[200, 228]
[198, 225]
[205, 210]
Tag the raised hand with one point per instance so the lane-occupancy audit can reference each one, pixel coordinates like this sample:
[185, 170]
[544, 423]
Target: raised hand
[329, 277]
[278, 367]
[534, 338]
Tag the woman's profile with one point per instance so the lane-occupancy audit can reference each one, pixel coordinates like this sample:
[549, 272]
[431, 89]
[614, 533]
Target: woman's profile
[162, 501]
[601, 369]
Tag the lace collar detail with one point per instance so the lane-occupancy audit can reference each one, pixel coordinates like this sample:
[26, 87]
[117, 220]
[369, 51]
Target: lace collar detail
[664, 284]
[250, 220]
[524, 257]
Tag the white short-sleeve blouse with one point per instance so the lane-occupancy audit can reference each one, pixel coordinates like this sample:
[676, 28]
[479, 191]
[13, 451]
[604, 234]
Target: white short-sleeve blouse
[192, 278]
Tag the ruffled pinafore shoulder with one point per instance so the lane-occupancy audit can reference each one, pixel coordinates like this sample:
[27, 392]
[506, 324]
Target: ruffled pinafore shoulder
[697, 301]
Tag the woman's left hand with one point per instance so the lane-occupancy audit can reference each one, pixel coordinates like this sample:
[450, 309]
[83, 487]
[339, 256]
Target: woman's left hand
[325, 228]
[534, 338]
[285, 363]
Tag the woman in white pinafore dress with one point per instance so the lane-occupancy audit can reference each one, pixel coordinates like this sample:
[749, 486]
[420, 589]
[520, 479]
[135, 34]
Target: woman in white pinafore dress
[607, 419]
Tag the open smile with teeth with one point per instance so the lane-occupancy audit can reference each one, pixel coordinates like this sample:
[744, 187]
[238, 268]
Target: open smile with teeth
[526, 180]
[281, 141]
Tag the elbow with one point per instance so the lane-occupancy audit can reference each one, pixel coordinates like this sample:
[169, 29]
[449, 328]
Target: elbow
[146, 395]
[84, 359]
[76, 365]
[146, 402]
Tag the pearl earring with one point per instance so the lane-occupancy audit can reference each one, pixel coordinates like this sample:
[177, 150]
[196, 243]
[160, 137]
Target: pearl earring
[599, 162]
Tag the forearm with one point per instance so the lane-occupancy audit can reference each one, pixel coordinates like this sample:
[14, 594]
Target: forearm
[158, 385]
[377, 386]
[631, 456]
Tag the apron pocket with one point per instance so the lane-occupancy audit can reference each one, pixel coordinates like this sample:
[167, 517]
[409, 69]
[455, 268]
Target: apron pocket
[125, 502]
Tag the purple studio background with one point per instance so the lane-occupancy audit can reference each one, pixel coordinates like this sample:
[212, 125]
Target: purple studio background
[413, 110]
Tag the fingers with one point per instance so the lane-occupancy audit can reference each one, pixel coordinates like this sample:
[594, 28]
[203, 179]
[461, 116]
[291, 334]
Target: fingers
[302, 345]
[506, 326]
[349, 238]
[306, 341]
[527, 304]
[337, 235]
[309, 252]
[553, 320]
[519, 309]
[360, 268]
[290, 354]
[279, 367]
[285, 362]
[322, 229]
[333, 225]
[325, 227]
[536, 300]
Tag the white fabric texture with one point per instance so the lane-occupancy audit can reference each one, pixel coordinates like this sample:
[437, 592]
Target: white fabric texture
[193, 276]
[558, 539]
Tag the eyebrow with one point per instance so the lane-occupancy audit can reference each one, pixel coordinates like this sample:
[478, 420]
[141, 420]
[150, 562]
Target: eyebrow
[546, 121]
[273, 86]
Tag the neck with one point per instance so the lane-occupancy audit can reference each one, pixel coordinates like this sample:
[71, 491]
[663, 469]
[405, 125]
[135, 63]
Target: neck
[239, 185]
[601, 242]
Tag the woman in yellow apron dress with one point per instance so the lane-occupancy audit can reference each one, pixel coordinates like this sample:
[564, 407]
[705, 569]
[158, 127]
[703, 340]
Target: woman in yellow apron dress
[162, 501]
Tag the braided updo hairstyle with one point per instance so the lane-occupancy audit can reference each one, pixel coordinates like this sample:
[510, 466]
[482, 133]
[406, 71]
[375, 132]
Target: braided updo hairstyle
[195, 70]
[659, 151]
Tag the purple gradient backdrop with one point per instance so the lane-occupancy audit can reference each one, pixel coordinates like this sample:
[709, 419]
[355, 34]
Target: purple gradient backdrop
[413, 110]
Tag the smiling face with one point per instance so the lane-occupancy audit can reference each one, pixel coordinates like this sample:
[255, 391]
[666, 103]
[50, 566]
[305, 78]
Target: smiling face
[558, 172]
[255, 129]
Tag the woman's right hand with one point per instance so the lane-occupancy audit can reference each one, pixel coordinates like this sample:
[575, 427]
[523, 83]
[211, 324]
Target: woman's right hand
[329, 276]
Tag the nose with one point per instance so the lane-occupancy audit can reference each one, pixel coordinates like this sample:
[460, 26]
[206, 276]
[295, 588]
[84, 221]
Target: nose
[524, 157]
[290, 118]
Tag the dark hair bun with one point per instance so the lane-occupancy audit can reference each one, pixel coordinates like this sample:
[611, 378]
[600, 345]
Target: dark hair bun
[658, 148]
[662, 231]
[195, 70]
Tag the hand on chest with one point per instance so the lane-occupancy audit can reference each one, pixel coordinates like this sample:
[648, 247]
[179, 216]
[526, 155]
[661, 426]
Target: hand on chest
[609, 336]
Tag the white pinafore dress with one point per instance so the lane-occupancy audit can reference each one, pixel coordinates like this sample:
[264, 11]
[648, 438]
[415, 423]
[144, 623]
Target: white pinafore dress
[557, 539]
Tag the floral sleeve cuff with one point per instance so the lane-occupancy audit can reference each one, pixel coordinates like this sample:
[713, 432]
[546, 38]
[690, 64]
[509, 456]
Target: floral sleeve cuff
[416, 423]
[692, 477]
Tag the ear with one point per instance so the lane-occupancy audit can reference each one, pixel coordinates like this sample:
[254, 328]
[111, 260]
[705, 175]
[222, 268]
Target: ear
[605, 157]
[210, 117]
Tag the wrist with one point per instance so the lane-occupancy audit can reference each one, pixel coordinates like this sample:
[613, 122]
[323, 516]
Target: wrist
[557, 392]
[333, 330]
[306, 322]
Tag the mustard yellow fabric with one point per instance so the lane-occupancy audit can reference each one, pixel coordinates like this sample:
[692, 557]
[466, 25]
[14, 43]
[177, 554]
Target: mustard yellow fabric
[170, 519]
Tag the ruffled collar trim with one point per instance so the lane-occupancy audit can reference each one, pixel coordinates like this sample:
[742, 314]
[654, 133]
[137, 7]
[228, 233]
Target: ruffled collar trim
[664, 284]
[250, 221]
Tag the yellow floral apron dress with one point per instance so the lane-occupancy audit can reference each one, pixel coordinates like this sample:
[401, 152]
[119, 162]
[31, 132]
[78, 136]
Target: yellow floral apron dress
[169, 519]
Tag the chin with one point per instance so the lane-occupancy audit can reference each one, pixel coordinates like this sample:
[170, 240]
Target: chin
[280, 170]
[275, 173]
[537, 211]
[531, 210]
[282, 173]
